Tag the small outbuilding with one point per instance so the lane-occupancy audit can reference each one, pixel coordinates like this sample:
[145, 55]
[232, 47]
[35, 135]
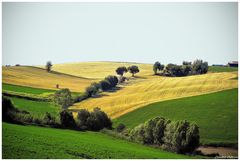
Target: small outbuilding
[233, 64]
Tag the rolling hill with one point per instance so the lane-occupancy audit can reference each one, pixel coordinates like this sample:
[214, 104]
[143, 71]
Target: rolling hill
[143, 91]
[25, 142]
[215, 114]
[99, 70]
[39, 78]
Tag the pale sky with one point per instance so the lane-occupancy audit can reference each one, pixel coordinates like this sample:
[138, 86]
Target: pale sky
[34, 33]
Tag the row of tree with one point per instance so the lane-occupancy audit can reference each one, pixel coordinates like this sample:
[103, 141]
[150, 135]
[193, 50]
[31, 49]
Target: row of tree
[180, 136]
[131, 69]
[187, 68]
[106, 84]
[95, 120]
[120, 70]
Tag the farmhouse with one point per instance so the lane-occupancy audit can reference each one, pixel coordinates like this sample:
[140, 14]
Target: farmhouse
[233, 64]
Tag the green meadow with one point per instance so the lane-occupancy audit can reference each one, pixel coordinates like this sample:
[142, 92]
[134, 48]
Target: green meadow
[215, 114]
[36, 108]
[222, 69]
[25, 142]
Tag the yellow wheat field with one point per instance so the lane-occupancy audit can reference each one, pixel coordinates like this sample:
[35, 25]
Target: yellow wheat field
[39, 78]
[99, 70]
[139, 91]
[157, 88]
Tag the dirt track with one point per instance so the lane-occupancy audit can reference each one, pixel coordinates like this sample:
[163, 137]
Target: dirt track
[222, 151]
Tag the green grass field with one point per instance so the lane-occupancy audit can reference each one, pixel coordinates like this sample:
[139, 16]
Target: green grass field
[36, 108]
[30, 90]
[222, 69]
[24, 89]
[216, 114]
[37, 142]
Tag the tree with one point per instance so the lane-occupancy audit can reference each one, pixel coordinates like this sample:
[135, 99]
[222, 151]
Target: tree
[49, 66]
[157, 66]
[138, 134]
[113, 80]
[102, 117]
[181, 137]
[200, 67]
[186, 69]
[82, 117]
[204, 67]
[63, 97]
[133, 69]
[151, 132]
[92, 89]
[95, 120]
[121, 70]
[67, 120]
[105, 85]
[186, 63]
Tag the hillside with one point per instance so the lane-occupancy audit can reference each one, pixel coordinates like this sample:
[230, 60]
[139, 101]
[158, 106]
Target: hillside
[143, 91]
[99, 70]
[39, 78]
[215, 114]
[44, 143]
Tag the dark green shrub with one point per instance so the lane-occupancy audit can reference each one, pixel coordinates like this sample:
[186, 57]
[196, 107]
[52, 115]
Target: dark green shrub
[37, 121]
[102, 117]
[82, 117]
[63, 97]
[98, 120]
[67, 120]
[181, 137]
[95, 120]
[23, 118]
[120, 127]
[7, 110]
[138, 134]
[48, 119]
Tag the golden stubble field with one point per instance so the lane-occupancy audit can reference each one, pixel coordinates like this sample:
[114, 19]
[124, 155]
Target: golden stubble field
[139, 91]
[156, 88]
[39, 78]
[99, 70]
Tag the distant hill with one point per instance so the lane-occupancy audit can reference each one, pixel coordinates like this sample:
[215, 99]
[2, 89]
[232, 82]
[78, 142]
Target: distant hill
[40, 78]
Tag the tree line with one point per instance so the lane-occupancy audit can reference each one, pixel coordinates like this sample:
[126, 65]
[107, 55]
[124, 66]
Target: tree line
[94, 121]
[187, 68]
[177, 136]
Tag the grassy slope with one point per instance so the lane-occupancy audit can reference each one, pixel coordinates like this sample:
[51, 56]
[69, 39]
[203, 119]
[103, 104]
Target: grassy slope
[24, 89]
[222, 69]
[141, 92]
[36, 108]
[216, 114]
[36, 142]
[39, 78]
